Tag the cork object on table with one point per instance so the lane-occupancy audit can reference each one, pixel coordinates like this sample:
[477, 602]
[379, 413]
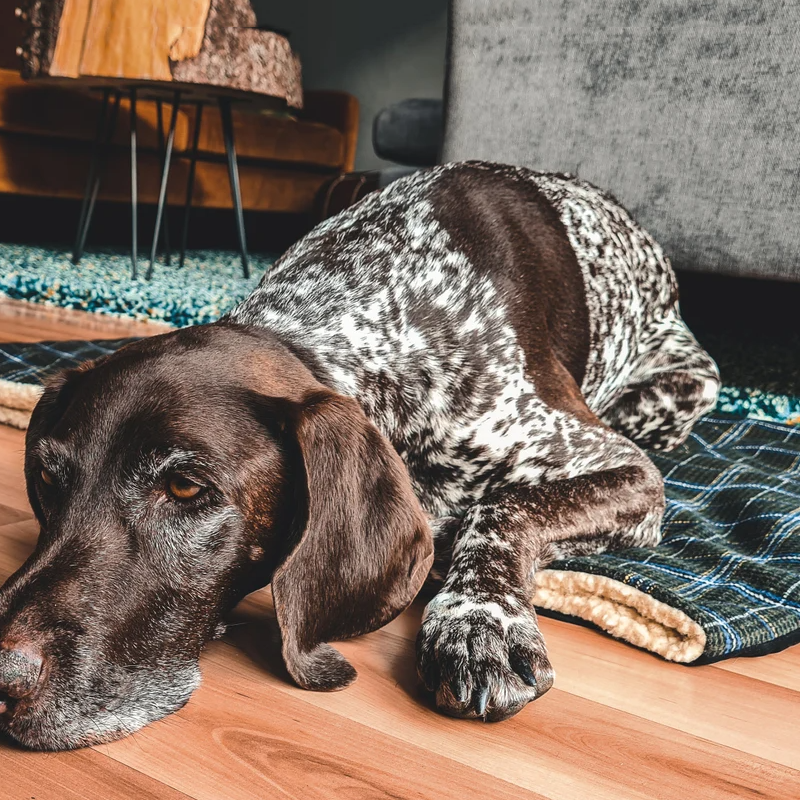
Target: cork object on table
[196, 42]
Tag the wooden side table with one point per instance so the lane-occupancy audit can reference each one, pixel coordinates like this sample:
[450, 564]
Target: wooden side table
[175, 51]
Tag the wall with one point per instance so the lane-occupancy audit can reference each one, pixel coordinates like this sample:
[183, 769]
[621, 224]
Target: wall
[11, 32]
[379, 51]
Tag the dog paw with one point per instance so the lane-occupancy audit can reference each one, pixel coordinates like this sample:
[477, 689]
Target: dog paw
[482, 659]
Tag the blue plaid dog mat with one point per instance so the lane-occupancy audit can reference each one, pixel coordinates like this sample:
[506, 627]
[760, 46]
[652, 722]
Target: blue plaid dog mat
[32, 362]
[724, 581]
[24, 367]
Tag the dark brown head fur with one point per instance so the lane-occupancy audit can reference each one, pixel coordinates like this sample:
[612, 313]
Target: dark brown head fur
[129, 581]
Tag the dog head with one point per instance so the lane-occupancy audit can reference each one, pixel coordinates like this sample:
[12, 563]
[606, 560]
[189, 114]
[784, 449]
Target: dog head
[169, 480]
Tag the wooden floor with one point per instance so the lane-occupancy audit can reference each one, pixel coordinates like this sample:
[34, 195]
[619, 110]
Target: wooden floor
[619, 723]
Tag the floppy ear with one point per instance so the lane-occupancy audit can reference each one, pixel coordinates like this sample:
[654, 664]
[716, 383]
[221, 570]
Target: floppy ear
[365, 549]
[46, 413]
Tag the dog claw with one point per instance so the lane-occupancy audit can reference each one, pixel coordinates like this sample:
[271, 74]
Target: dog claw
[460, 691]
[481, 700]
[486, 669]
[523, 669]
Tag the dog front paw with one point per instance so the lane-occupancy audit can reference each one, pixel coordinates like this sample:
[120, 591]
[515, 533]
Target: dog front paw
[482, 658]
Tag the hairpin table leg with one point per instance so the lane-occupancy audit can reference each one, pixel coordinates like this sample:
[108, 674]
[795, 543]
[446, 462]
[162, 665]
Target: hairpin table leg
[198, 122]
[165, 226]
[134, 192]
[162, 197]
[105, 130]
[98, 138]
[233, 174]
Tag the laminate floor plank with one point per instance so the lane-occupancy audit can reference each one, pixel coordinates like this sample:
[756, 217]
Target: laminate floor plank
[243, 737]
[12, 478]
[560, 746]
[36, 322]
[10, 515]
[80, 775]
[781, 669]
[718, 705]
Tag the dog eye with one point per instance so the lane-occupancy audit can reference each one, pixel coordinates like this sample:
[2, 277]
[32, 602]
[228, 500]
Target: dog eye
[47, 477]
[182, 488]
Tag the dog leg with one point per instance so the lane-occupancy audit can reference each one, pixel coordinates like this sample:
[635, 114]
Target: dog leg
[676, 384]
[479, 648]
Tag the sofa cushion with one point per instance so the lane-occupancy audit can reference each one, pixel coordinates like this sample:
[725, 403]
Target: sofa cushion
[685, 111]
[409, 132]
[270, 137]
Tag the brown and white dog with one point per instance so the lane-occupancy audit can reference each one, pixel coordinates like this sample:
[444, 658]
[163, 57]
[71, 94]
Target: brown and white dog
[469, 359]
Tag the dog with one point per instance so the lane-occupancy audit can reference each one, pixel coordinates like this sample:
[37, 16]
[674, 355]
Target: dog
[452, 380]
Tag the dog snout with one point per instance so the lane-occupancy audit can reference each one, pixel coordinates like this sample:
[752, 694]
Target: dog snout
[21, 666]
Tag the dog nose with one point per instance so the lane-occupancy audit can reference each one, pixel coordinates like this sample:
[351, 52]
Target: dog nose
[20, 669]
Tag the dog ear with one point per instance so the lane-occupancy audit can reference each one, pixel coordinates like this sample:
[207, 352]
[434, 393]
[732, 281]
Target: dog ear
[46, 413]
[365, 547]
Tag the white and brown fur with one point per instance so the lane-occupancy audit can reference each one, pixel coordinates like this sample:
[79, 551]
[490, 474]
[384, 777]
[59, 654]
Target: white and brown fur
[516, 336]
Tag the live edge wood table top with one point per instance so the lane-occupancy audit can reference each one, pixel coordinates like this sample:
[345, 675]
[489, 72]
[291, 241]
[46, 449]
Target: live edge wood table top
[203, 48]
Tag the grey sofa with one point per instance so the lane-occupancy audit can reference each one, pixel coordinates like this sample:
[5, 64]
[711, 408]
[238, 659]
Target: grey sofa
[688, 112]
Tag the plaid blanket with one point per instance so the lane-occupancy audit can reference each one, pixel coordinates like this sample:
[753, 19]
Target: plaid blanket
[724, 581]
[730, 555]
[32, 362]
[24, 367]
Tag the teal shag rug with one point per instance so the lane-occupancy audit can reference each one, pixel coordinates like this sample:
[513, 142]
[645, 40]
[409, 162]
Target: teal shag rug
[209, 284]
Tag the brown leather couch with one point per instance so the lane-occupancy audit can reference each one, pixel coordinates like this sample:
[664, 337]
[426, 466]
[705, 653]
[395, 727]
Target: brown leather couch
[46, 136]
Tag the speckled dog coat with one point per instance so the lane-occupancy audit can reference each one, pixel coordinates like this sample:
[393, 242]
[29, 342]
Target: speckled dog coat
[516, 336]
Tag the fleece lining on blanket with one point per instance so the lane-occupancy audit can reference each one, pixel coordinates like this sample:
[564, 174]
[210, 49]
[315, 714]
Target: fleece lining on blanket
[724, 581]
